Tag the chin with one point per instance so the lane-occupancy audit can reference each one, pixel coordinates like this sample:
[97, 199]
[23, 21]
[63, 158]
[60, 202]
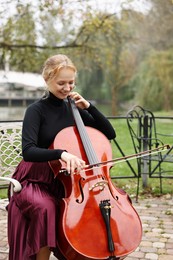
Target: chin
[64, 95]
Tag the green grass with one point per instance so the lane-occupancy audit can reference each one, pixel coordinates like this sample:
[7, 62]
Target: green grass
[164, 126]
[3, 193]
[122, 169]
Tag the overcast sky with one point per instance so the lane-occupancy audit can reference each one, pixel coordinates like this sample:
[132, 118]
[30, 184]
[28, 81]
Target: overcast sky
[110, 6]
[113, 6]
[116, 5]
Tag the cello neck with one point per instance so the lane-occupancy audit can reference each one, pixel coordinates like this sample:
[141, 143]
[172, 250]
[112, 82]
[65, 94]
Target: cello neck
[87, 145]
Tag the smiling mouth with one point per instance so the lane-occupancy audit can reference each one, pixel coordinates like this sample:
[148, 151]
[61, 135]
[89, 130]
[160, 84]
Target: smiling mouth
[65, 93]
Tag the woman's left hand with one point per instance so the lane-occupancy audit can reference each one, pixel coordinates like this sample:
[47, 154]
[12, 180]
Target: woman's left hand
[79, 100]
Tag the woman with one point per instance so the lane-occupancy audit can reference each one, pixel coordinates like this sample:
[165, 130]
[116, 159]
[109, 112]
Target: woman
[32, 213]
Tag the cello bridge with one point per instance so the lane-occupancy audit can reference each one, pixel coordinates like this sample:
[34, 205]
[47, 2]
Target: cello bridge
[101, 184]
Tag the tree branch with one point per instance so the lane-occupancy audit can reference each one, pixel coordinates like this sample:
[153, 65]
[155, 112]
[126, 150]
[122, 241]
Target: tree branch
[33, 46]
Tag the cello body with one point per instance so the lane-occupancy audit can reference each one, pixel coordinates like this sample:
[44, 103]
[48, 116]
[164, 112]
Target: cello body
[97, 220]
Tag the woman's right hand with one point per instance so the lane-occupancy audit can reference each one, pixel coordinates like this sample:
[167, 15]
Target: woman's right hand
[74, 163]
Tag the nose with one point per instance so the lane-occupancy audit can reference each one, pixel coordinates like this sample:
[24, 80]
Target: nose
[68, 86]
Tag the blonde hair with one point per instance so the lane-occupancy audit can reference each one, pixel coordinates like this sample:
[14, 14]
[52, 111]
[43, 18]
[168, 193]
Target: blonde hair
[54, 64]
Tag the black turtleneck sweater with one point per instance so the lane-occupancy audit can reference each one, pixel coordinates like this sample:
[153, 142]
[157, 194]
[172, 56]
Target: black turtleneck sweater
[47, 117]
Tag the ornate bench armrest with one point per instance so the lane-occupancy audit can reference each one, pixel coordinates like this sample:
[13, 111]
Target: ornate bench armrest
[16, 185]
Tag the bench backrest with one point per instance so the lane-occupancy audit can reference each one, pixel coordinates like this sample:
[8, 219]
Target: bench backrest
[10, 147]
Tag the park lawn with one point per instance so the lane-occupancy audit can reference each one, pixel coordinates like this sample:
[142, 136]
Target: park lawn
[122, 169]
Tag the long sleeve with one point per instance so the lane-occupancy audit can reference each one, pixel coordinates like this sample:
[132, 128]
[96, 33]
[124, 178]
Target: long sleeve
[46, 118]
[34, 149]
[100, 122]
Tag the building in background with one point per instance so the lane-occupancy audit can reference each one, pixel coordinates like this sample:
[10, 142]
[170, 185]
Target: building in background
[20, 89]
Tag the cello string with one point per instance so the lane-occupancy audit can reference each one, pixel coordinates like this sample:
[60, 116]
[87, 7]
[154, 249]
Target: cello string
[89, 151]
[88, 147]
[84, 136]
[92, 154]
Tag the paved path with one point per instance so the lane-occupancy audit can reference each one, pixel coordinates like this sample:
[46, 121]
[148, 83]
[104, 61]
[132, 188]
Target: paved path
[157, 219]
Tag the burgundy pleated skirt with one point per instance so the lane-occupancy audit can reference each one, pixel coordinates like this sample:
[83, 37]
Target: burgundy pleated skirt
[33, 212]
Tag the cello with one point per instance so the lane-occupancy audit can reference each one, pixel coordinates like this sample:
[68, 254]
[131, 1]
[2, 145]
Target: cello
[97, 220]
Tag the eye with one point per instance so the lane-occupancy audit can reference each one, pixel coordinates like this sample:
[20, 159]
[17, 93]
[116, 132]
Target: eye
[61, 83]
[71, 83]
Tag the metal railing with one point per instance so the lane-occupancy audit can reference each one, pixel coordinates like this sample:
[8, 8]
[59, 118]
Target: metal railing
[145, 132]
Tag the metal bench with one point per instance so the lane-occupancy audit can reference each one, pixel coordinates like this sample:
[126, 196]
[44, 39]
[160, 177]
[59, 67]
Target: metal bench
[10, 150]
[145, 136]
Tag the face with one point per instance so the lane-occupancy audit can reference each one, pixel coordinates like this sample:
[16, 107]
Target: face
[63, 83]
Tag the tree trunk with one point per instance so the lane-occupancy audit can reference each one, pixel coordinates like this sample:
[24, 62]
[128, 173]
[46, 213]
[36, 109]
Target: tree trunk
[114, 101]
